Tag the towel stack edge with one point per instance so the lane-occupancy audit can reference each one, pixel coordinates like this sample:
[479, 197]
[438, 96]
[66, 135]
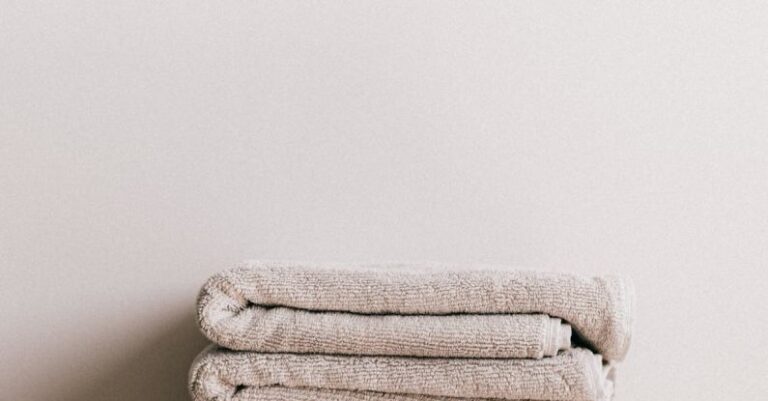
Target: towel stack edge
[408, 332]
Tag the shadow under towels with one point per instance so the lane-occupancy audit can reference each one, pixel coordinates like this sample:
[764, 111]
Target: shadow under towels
[296, 331]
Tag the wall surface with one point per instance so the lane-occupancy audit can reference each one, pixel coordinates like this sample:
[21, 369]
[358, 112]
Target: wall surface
[145, 145]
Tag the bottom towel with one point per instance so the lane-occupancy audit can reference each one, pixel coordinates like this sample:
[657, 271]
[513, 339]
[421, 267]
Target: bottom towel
[222, 375]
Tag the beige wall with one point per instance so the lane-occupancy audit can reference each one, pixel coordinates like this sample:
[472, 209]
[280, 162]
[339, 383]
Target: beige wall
[145, 145]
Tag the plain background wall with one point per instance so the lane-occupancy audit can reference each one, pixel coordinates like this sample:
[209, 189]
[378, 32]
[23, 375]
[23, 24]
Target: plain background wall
[145, 145]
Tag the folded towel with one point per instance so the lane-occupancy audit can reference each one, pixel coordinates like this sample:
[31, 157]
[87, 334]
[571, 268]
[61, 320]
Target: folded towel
[223, 375]
[413, 310]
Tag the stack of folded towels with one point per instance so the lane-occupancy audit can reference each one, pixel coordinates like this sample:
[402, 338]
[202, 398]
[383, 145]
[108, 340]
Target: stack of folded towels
[408, 332]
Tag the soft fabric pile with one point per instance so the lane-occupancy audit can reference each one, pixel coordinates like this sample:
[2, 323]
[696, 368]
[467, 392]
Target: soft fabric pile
[408, 332]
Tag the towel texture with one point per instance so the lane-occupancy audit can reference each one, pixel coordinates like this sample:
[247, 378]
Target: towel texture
[223, 375]
[413, 310]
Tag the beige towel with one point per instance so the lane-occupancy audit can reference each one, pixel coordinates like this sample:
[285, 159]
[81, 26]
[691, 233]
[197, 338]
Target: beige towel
[222, 375]
[413, 310]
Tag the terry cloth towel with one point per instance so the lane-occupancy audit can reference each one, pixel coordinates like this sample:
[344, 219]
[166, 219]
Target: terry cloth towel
[425, 310]
[223, 375]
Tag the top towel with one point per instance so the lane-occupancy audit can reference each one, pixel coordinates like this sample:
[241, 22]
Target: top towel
[413, 310]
